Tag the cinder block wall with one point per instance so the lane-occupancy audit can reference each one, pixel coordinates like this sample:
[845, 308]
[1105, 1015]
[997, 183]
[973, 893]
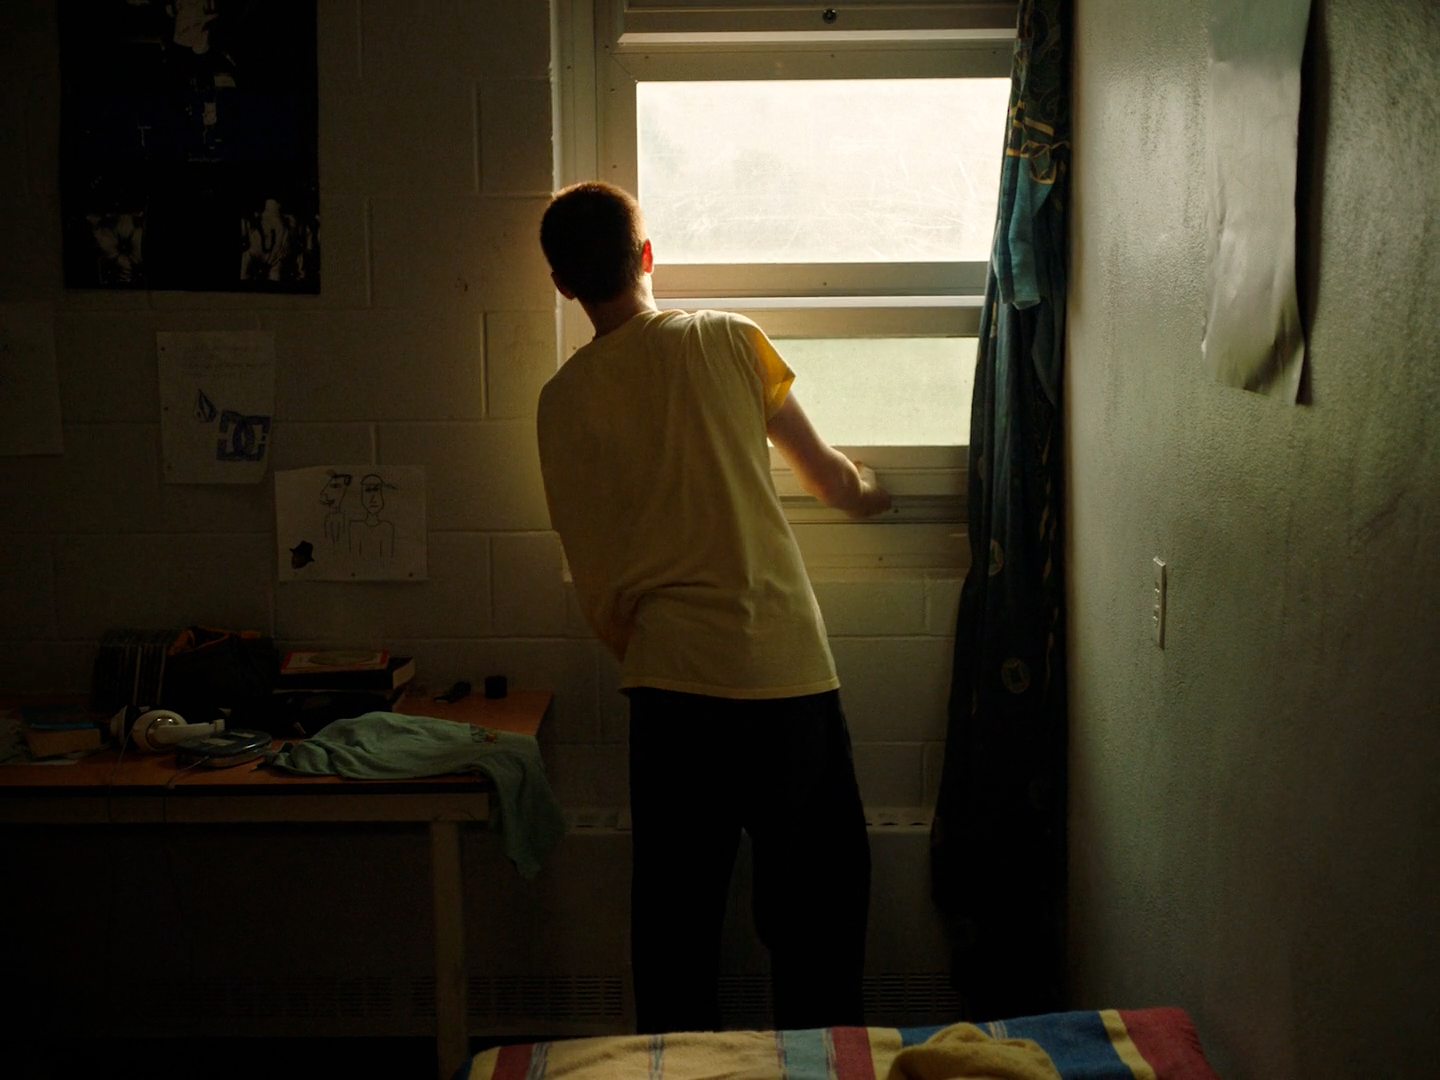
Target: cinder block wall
[427, 346]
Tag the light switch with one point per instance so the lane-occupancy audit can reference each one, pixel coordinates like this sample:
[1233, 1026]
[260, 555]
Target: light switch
[1157, 613]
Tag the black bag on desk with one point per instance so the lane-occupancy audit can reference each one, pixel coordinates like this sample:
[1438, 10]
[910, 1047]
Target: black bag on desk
[208, 670]
[298, 714]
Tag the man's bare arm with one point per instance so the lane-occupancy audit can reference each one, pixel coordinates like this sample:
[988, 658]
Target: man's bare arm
[821, 469]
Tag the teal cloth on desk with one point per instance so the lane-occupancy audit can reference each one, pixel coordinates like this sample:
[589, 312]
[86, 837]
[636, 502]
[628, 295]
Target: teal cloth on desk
[391, 746]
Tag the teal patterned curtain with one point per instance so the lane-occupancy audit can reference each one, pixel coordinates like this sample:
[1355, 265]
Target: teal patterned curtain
[998, 841]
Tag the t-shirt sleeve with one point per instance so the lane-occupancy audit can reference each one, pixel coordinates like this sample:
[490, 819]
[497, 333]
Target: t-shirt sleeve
[775, 374]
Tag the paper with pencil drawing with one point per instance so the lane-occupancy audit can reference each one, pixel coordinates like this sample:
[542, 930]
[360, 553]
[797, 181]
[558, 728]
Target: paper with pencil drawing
[217, 401]
[351, 523]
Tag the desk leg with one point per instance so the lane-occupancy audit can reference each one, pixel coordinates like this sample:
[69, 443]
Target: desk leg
[452, 1034]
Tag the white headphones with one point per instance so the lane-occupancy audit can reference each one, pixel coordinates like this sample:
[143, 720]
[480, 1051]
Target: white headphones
[159, 729]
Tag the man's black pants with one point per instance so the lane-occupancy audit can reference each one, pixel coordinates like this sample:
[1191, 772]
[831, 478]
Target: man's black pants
[703, 768]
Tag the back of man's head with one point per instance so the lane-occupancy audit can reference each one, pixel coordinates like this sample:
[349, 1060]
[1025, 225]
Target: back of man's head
[592, 234]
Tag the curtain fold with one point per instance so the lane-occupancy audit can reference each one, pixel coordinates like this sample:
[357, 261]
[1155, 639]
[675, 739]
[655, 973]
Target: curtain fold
[998, 839]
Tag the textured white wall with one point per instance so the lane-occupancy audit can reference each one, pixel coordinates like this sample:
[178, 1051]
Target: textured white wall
[1254, 830]
[427, 346]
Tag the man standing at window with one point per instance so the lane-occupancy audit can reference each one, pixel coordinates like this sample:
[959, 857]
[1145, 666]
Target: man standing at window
[653, 450]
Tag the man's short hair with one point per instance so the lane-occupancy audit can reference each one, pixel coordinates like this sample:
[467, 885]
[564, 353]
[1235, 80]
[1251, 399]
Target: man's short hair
[592, 234]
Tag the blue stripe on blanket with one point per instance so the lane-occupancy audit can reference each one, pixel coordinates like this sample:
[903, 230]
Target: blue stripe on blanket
[1077, 1043]
[805, 1055]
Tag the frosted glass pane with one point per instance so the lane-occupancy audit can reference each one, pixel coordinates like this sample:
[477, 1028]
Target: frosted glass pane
[884, 391]
[846, 170]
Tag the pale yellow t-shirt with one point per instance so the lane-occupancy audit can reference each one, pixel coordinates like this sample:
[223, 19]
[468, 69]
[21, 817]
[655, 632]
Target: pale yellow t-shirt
[652, 447]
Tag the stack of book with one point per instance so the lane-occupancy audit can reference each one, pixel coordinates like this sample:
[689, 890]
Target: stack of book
[52, 730]
[314, 688]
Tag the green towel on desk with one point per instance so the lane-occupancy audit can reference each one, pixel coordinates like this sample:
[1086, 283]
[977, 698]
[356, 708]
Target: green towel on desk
[389, 746]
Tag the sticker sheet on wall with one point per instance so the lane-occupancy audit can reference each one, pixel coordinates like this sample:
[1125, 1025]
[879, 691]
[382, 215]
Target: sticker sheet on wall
[351, 523]
[1253, 336]
[189, 144]
[217, 398]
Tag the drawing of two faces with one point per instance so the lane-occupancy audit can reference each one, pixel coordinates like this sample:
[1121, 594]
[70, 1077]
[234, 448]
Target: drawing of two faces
[368, 535]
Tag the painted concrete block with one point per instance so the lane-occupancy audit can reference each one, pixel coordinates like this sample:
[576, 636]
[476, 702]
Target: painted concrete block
[345, 255]
[531, 598]
[515, 145]
[565, 668]
[479, 476]
[508, 38]
[870, 607]
[14, 181]
[453, 602]
[519, 358]
[894, 689]
[454, 254]
[109, 481]
[28, 40]
[586, 776]
[108, 367]
[421, 139]
[402, 40]
[46, 667]
[942, 603]
[33, 226]
[27, 587]
[934, 769]
[160, 581]
[337, 28]
[906, 932]
[297, 445]
[368, 365]
[889, 774]
[570, 920]
[31, 63]
[344, 143]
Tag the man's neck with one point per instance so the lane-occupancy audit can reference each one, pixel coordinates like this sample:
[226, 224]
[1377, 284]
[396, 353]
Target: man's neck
[610, 315]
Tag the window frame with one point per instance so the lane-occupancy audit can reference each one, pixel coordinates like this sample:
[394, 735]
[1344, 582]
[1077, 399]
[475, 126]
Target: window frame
[603, 48]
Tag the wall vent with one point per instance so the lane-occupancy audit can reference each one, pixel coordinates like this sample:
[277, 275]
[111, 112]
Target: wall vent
[894, 999]
[539, 1000]
[298, 998]
[921, 997]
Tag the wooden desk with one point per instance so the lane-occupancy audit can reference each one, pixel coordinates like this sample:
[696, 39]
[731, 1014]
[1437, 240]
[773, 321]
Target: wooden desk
[133, 788]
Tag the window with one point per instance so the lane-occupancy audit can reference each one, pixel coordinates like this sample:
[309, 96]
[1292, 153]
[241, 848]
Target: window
[834, 180]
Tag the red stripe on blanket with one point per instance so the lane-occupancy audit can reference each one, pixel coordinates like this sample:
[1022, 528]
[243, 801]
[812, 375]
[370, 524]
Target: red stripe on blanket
[852, 1053]
[1167, 1040]
[512, 1063]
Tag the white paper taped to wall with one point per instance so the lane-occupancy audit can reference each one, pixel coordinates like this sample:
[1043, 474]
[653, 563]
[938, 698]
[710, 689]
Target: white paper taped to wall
[29, 382]
[217, 401]
[351, 523]
[1253, 337]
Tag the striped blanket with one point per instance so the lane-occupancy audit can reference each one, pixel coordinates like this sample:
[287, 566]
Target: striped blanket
[1142, 1044]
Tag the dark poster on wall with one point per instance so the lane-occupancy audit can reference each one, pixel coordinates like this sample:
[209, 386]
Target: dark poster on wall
[188, 142]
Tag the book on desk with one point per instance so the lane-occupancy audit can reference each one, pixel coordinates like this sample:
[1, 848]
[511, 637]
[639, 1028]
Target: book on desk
[392, 675]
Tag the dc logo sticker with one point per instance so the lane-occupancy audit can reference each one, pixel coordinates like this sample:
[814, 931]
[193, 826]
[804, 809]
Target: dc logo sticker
[242, 438]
